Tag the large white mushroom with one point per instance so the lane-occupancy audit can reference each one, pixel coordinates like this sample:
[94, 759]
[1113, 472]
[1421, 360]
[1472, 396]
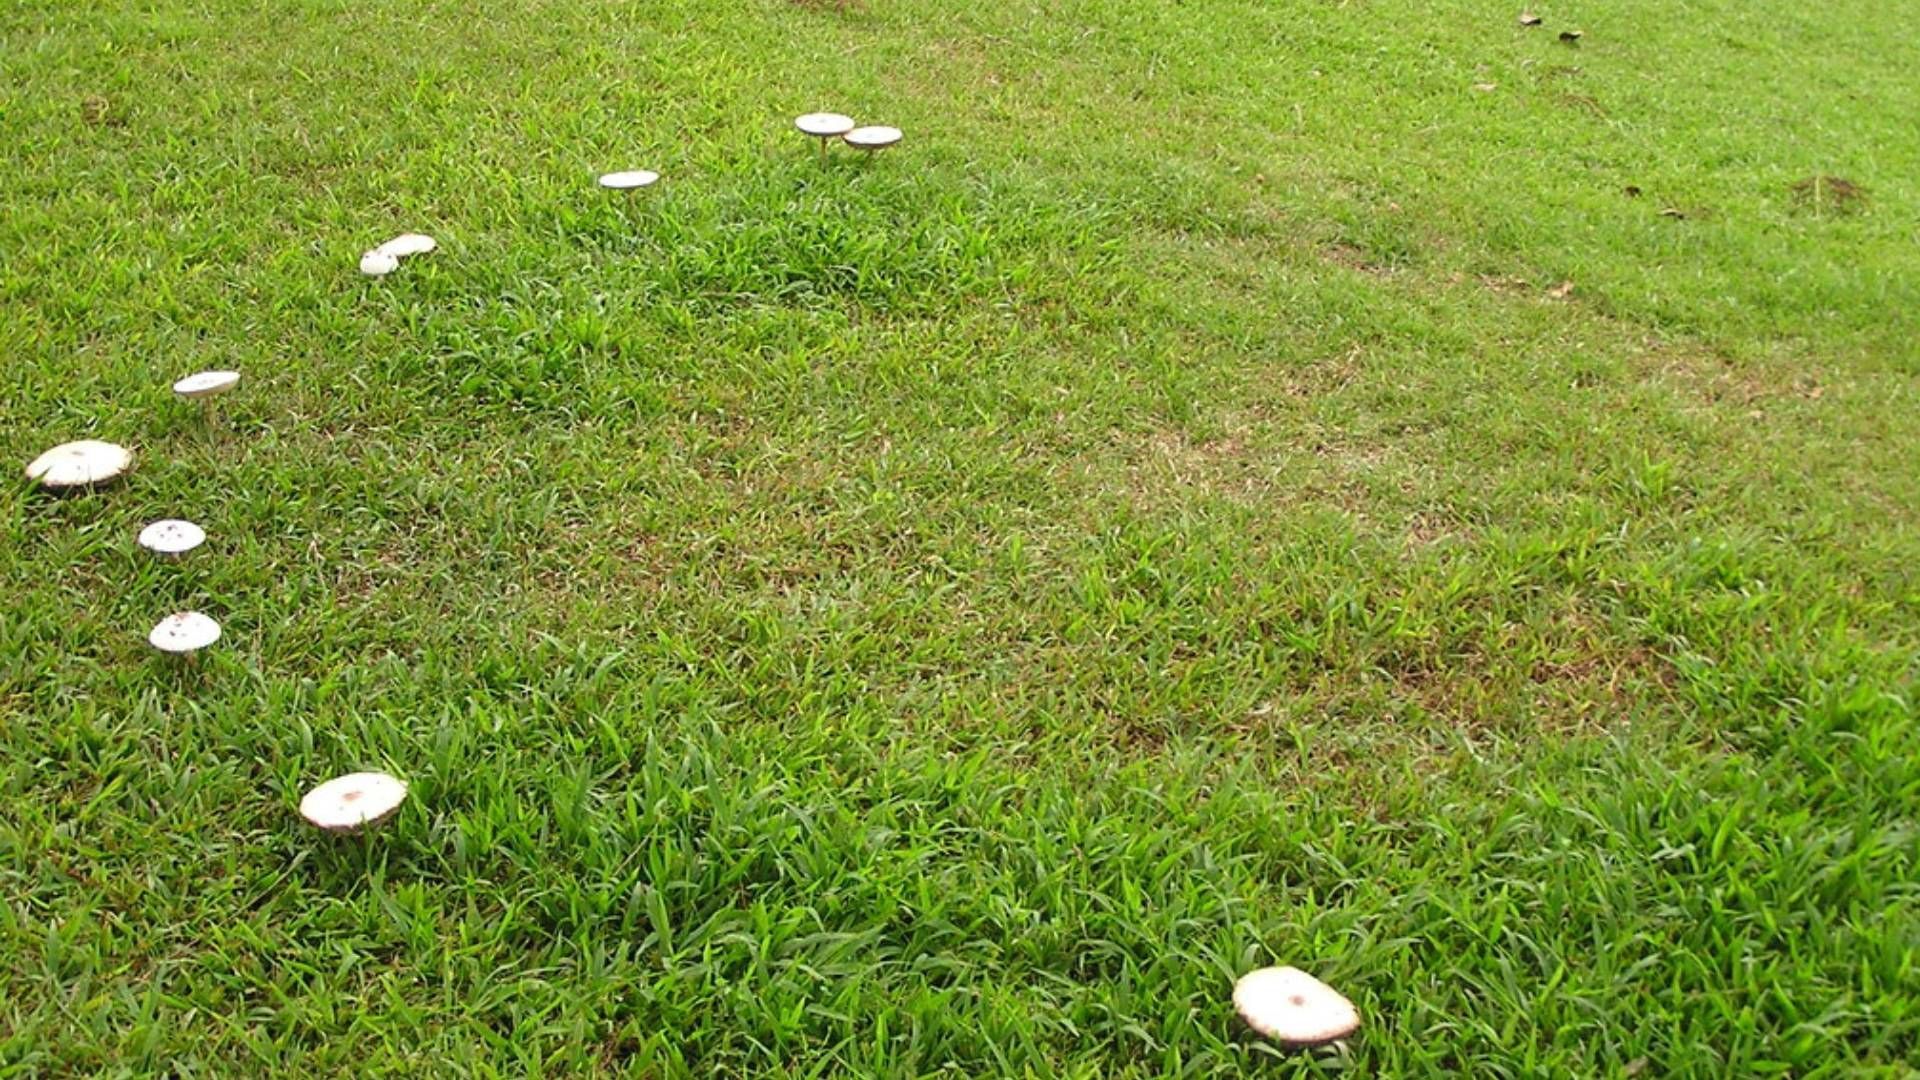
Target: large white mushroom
[631, 180]
[79, 464]
[171, 537]
[183, 633]
[876, 137]
[824, 126]
[406, 244]
[1293, 1007]
[354, 801]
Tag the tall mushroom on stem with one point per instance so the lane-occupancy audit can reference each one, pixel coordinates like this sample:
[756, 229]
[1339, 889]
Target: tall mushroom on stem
[626, 183]
[80, 464]
[353, 802]
[824, 126]
[1294, 1008]
[204, 386]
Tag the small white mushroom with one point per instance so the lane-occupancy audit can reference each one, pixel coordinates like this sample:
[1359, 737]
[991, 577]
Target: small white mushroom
[184, 632]
[377, 263]
[877, 137]
[79, 464]
[406, 244]
[1293, 1007]
[629, 181]
[354, 801]
[206, 384]
[172, 537]
[824, 126]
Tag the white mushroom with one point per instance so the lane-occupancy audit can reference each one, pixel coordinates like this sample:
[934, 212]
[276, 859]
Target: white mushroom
[406, 244]
[206, 384]
[172, 537]
[824, 126]
[1293, 1007]
[354, 801]
[78, 464]
[377, 263]
[628, 181]
[184, 632]
[878, 137]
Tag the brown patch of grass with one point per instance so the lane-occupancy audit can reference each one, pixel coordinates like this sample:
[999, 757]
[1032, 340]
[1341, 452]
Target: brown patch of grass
[97, 111]
[1716, 379]
[1829, 195]
[1354, 258]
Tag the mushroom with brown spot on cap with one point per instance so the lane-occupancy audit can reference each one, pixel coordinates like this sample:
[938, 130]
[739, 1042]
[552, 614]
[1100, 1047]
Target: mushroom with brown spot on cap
[1292, 1007]
[171, 538]
[353, 802]
[184, 633]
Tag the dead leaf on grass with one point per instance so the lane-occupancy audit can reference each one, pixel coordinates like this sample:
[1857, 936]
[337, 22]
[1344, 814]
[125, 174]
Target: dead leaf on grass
[1561, 291]
[1486, 87]
[1528, 18]
[1631, 191]
[1572, 37]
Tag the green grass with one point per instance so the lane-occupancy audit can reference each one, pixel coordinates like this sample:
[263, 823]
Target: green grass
[952, 613]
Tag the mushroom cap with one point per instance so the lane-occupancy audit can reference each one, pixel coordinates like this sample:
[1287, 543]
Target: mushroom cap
[824, 125]
[206, 383]
[171, 536]
[877, 137]
[627, 181]
[1293, 1007]
[184, 632]
[354, 801]
[377, 263]
[77, 464]
[406, 244]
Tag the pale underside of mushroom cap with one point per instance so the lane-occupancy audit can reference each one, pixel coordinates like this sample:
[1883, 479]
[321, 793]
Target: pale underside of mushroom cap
[172, 536]
[824, 124]
[206, 383]
[1293, 1007]
[184, 632]
[873, 138]
[377, 263]
[406, 244]
[353, 801]
[627, 181]
[77, 464]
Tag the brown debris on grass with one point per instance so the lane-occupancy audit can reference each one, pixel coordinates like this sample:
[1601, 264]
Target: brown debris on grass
[1829, 194]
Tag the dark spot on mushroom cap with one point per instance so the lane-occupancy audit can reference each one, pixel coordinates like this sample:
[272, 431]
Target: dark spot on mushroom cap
[1296, 1000]
[350, 796]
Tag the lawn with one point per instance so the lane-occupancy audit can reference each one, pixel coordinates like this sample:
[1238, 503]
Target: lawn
[1368, 486]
